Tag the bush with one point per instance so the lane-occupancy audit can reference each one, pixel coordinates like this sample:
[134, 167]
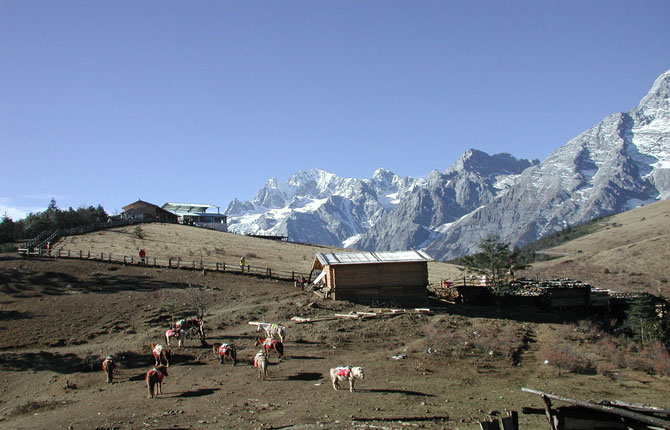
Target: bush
[566, 358]
[139, 232]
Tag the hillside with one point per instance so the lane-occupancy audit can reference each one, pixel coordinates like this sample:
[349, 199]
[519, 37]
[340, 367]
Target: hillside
[191, 244]
[626, 252]
[447, 369]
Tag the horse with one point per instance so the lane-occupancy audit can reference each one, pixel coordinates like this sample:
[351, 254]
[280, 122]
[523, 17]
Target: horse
[261, 361]
[342, 373]
[108, 367]
[154, 380]
[271, 344]
[272, 330]
[225, 351]
[160, 354]
[178, 334]
[195, 324]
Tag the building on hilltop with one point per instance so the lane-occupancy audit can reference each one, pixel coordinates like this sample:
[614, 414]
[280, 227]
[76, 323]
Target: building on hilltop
[368, 277]
[145, 211]
[197, 215]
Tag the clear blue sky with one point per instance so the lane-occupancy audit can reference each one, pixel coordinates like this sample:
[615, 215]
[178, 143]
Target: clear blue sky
[105, 102]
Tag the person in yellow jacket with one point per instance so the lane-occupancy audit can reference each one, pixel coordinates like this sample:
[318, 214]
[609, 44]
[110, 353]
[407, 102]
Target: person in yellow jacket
[243, 263]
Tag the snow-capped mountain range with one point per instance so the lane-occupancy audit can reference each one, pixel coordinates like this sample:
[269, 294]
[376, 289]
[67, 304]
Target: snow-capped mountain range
[621, 163]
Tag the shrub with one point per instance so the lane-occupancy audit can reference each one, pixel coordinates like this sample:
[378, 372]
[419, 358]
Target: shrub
[566, 358]
[139, 232]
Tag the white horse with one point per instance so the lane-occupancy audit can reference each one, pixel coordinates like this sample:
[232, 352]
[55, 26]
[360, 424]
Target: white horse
[272, 330]
[178, 334]
[261, 361]
[338, 374]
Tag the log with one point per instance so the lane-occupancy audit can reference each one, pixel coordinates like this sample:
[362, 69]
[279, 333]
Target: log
[665, 424]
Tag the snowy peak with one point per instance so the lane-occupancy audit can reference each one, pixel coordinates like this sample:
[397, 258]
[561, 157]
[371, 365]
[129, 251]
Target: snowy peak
[658, 98]
[481, 163]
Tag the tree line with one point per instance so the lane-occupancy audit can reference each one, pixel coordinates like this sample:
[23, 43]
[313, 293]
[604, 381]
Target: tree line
[50, 219]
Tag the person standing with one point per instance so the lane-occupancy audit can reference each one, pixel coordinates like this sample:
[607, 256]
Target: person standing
[243, 263]
[142, 255]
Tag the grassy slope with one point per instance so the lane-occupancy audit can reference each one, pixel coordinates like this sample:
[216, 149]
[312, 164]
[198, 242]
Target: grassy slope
[189, 243]
[627, 252]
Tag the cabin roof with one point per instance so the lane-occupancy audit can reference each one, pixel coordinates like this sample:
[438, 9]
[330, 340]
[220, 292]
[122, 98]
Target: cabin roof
[341, 258]
[188, 208]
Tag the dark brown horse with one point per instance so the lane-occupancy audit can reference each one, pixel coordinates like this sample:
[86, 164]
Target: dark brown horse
[271, 344]
[154, 380]
[225, 351]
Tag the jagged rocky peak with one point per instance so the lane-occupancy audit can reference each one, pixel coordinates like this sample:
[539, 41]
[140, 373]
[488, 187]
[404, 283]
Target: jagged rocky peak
[480, 162]
[658, 98]
[384, 177]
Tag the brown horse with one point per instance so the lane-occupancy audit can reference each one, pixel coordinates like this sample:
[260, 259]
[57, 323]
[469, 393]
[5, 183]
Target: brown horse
[161, 354]
[271, 344]
[108, 367]
[225, 351]
[154, 380]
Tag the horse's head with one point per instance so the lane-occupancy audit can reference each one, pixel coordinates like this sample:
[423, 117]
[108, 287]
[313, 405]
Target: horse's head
[357, 372]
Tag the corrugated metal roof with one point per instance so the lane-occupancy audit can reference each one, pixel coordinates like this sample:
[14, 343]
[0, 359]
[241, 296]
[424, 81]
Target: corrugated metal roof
[334, 259]
[188, 208]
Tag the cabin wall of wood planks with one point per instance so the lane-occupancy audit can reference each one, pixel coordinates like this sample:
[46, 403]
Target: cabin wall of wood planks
[388, 282]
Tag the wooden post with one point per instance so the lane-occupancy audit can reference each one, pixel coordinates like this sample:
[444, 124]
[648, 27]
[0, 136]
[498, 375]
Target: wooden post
[217, 266]
[132, 260]
[102, 255]
[124, 259]
[292, 275]
[110, 256]
[194, 264]
[178, 260]
[68, 253]
[224, 267]
[547, 410]
[59, 250]
[154, 261]
[80, 254]
[170, 263]
[511, 421]
[89, 254]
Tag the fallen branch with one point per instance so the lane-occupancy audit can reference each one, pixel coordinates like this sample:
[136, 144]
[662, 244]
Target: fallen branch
[418, 418]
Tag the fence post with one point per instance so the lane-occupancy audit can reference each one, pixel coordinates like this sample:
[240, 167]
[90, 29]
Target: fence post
[80, 254]
[194, 264]
[68, 253]
[178, 260]
[59, 250]
[89, 254]
[292, 275]
[132, 260]
[217, 266]
[102, 255]
[154, 261]
[124, 259]
[169, 263]
[224, 267]
[110, 256]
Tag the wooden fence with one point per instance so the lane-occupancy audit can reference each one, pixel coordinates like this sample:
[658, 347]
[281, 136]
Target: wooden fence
[173, 263]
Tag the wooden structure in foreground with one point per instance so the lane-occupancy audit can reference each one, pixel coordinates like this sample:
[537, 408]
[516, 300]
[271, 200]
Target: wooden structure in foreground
[368, 277]
[585, 415]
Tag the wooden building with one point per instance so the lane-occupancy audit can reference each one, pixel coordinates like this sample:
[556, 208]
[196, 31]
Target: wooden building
[145, 211]
[387, 277]
[196, 214]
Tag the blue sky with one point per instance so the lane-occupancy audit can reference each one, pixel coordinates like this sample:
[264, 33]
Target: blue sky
[105, 102]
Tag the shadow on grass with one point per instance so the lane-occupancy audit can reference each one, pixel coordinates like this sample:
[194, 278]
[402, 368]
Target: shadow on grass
[198, 393]
[305, 376]
[59, 363]
[392, 391]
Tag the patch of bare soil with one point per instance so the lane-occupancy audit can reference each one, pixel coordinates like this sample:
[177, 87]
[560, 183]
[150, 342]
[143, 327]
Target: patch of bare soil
[60, 318]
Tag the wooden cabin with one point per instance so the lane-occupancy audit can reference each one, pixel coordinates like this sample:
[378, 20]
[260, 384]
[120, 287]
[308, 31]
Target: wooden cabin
[145, 211]
[196, 214]
[386, 277]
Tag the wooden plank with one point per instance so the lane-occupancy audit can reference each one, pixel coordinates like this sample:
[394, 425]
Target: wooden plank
[665, 424]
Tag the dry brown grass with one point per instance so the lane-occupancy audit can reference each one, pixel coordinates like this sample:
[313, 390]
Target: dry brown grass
[174, 241]
[629, 252]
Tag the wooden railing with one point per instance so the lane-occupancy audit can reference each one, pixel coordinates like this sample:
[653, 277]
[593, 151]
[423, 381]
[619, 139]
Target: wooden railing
[173, 263]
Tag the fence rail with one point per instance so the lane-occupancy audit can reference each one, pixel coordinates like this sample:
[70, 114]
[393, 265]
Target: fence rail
[172, 263]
